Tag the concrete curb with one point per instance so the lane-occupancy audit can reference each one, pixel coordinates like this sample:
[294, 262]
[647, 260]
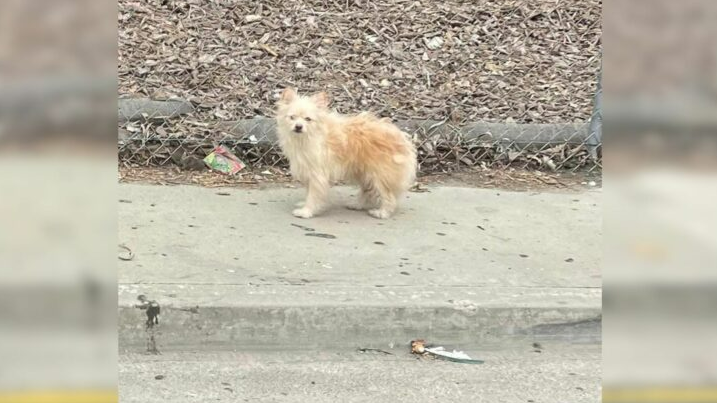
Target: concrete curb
[261, 130]
[235, 270]
[232, 317]
[136, 109]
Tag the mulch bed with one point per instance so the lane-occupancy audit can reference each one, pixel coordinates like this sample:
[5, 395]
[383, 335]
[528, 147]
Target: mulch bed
[528, 61]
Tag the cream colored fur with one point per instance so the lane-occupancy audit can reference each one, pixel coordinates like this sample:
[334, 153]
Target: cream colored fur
[363, 150]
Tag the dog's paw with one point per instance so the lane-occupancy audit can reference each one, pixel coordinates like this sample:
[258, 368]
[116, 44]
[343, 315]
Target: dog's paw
[379, 213]
[355, 206]
[303, 213]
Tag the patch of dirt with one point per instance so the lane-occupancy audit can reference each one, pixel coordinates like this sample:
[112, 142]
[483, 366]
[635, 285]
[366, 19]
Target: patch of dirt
[517, 180]
[173, 175]
[510, 179]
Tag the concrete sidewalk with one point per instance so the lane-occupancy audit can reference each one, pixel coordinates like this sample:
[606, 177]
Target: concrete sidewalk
[233, 267]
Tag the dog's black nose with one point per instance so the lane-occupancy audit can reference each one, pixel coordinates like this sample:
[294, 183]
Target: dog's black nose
[298, 127]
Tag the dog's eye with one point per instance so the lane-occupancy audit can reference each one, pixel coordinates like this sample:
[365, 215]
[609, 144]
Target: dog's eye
[308, 119]
[292, 117]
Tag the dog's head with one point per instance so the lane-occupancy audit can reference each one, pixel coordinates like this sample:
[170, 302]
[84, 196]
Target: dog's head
[299, 114]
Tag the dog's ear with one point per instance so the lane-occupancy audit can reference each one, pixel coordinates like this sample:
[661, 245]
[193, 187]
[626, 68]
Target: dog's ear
[321, 99]
[287, 95]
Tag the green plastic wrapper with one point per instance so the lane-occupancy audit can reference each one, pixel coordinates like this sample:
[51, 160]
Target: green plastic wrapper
[222, 160]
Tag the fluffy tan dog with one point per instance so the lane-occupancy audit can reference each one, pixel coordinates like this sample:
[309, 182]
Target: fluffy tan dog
[323, 147]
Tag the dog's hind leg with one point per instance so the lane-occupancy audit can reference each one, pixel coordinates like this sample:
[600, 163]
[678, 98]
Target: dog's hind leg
[367, 199]
[386, 204]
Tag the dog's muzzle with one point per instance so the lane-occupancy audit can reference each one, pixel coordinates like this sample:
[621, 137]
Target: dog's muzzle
[298, 128]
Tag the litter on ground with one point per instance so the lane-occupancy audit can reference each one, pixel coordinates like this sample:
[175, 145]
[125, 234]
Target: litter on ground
[222, 160]
[419, 347]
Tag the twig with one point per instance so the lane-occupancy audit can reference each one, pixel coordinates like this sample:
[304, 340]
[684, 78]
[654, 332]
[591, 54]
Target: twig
[378, 350]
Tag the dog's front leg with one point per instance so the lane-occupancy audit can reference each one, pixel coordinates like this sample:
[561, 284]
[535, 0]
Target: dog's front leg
[317, 192]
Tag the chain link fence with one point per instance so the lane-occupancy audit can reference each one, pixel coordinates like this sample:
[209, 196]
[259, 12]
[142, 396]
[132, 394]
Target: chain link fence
[146, 139]
[514, 87]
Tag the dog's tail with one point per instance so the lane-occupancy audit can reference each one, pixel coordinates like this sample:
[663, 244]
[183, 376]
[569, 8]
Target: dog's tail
[400, 159]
